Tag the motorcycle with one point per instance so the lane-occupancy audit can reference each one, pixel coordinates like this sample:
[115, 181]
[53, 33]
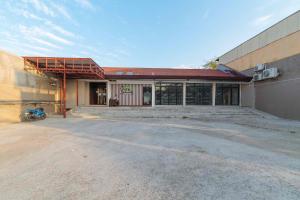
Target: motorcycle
[34, 114]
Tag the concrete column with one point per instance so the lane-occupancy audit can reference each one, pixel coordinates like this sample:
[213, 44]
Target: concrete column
[184, 94]
[87, 93]
[153, 94]
[214, 93]
[240, 95]
[108, 93]
[77, 94]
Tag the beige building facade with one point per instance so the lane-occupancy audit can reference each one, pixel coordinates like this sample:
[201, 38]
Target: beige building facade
[276, 47]
[275, 43]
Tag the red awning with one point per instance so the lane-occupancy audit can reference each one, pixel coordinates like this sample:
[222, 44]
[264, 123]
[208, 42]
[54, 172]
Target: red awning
[74, 67]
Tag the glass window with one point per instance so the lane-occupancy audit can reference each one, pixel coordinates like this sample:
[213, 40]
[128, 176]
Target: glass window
[199, 94]
[168, 93]
[227, 94]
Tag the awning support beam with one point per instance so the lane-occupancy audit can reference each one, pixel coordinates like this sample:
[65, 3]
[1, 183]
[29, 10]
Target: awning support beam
[65, 87]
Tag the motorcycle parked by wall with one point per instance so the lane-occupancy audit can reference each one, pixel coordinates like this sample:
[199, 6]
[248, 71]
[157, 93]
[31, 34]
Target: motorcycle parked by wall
[34, 114]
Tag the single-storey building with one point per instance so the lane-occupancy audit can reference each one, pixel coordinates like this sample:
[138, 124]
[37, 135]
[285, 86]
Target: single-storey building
[85, 83]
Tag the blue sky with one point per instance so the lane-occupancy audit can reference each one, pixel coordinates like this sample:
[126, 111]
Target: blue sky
[136, 33]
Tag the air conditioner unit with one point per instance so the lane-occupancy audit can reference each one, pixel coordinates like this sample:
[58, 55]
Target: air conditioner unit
[257, 77]
[259, 67]
[270, 73]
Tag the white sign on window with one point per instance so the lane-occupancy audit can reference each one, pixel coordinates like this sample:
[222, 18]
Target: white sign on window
[126, 88]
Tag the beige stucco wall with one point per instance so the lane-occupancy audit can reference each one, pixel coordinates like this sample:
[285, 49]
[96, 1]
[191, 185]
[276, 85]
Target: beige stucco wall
[283, 48]
[20, 89]
[283, 28]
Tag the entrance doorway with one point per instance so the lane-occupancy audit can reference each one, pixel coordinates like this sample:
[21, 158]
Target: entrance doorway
[228, 94]
[98, 93]
[147, 95]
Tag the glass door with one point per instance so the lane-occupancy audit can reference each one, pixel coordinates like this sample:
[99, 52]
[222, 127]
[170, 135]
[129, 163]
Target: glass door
[228, 94]
[147, 95]
[98, 93]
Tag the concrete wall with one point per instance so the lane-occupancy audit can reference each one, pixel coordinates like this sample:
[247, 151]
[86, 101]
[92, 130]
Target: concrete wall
[280, 30]
[71, 93]
[83, 93]
[21, 89]
[248, 95]
[280, 96]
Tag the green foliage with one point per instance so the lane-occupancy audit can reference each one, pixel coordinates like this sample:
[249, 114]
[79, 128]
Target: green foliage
[212, 65]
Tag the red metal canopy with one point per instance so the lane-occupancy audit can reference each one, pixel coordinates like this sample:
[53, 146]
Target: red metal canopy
[74, 68]
[66, 68]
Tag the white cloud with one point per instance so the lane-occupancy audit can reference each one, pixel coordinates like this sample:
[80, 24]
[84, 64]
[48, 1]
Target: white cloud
[28, 15]
[16, 42]
[85, 4]
[22, 10]
[62, 10]
[263, 20]
[59, 29]
[38, 48]
[53, 36]
[23, 48]
[38, 32]
[33, 36]
[51, 9]
[41, 6]
[44, 42]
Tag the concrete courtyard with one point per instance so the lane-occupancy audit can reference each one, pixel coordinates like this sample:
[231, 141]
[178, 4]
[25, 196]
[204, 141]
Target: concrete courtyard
[152, 153]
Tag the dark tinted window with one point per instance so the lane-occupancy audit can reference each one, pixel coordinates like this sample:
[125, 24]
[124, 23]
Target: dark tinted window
[199, 94]
[168, 93]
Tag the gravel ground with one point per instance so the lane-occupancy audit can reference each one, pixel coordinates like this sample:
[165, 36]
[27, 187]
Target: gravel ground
[143, 153]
